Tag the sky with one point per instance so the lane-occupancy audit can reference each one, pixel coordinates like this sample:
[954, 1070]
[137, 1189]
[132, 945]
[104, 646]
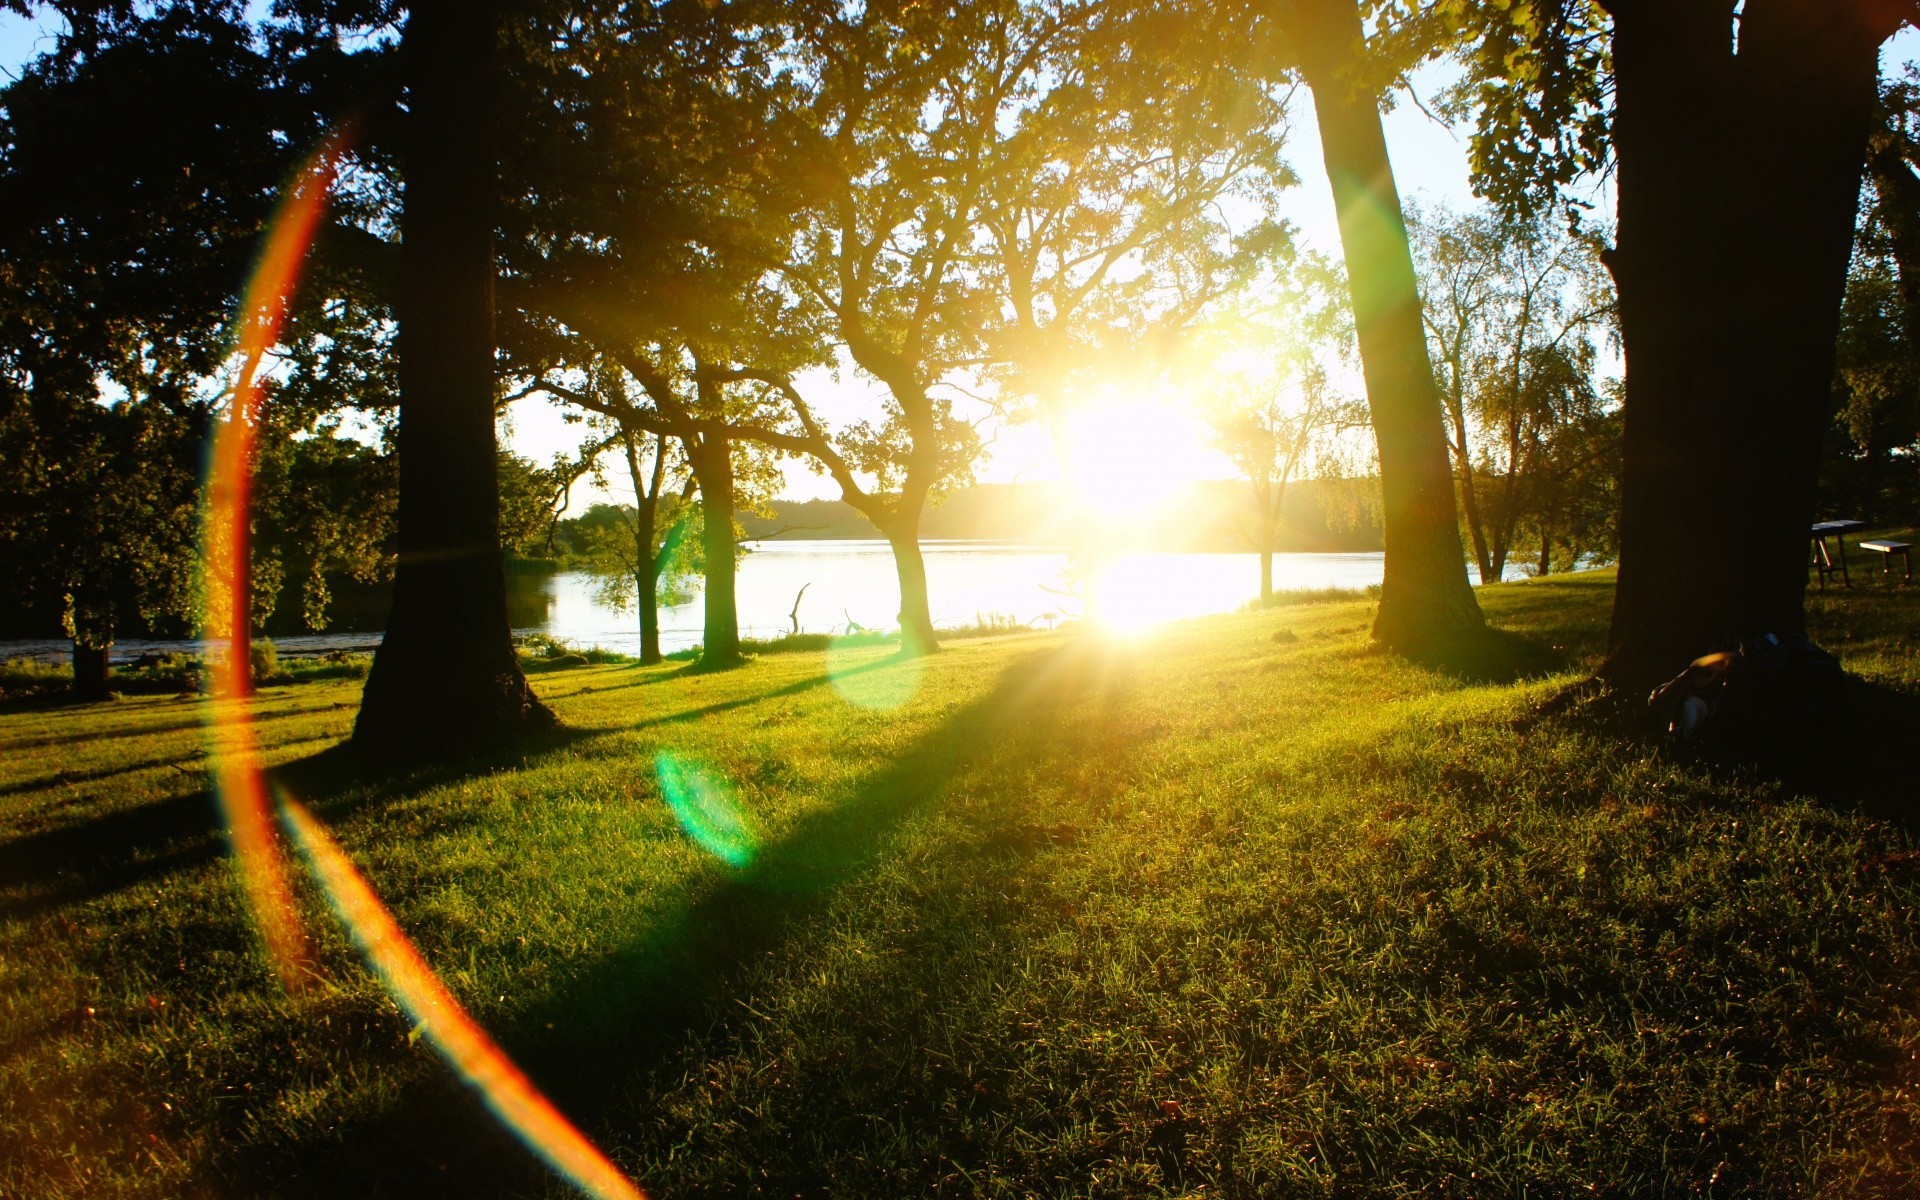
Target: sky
[1430, 166]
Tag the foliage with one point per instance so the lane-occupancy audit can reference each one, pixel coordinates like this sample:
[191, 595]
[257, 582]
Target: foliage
[1872, 461]
[607, 535]
[139, 161]
[1271, 404]
[1513, 312]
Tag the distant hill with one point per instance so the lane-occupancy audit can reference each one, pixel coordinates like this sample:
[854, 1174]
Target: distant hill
[1318, 516]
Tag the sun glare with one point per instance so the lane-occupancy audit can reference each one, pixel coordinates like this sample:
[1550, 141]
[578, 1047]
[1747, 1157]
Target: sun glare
[1125, 458]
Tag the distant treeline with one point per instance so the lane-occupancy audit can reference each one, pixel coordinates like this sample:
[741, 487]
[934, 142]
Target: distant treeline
[1319, 516]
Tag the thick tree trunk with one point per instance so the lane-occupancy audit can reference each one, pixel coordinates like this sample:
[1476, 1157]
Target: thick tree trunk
[90, 671]
[917, 635]
[713, 468]
[1425, 599]
[1546, 554]
[1738, 184]
[445, 679]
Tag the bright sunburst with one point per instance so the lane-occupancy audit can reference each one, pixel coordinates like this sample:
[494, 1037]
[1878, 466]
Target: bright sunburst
[1127, 456]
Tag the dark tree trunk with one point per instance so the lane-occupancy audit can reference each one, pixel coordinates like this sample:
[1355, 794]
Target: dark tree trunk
[712, 460]
[917, 635]
[445, 679]
[1425, 599]
[1546, 554]
[1739, 178]
[90, 671]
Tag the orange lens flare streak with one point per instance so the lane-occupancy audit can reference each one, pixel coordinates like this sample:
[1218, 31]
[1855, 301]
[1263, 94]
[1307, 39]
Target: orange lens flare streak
[227, 569]
[466, 1047]
[245, 802]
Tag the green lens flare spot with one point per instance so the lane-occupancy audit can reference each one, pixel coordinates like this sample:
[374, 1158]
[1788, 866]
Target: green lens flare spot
[706, 809]
[870, 676]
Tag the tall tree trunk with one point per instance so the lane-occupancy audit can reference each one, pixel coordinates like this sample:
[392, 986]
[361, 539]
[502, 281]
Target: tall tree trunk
[917, 635]
[1739, 178]
[445, 678]
[1425, 599]
[1546, 553]
[712, 461]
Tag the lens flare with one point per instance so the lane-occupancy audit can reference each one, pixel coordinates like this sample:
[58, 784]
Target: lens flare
[706, 810]
[226, 575]
[245, 802]
[863, 680]
[445, 1022]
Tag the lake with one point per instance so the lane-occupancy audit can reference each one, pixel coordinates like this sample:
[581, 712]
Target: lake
[853, 581]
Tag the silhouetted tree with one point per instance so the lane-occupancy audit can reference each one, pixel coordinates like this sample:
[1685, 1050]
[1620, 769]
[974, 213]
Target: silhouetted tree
[646, 554]
[446, 677]
[1738, 134]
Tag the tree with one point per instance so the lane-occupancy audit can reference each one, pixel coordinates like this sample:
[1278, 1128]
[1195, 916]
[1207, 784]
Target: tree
[1870, 467]
[633, 266]
[1723, 149]
[1270, 419]
[1738, 134]
[1511, 308]
[322, 511]
[446, 678]
[139, 158]
[646, 554]
[1106, 240]
[1425, 599]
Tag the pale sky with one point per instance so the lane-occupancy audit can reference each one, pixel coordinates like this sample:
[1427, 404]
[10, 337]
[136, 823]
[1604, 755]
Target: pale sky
[1430, 165]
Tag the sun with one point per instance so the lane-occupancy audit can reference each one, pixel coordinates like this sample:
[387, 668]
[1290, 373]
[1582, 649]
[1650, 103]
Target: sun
[1125, 456]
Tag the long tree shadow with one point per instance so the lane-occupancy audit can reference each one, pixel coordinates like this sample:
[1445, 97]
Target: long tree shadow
[1490, 655]
[102, 854]
[198, 721]
[623, 1020]
[109, 852]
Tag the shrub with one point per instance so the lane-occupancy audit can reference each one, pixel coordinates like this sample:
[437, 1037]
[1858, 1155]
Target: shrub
[26, 677]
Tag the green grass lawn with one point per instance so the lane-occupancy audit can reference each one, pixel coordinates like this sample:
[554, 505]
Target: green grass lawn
[1237, 909]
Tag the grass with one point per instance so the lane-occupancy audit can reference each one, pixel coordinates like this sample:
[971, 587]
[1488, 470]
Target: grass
[1239, 909]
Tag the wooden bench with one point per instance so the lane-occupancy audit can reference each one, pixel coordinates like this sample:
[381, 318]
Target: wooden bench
[1887, 550]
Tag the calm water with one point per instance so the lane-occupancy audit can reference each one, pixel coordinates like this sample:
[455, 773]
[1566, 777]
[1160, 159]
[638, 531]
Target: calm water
[853, 581]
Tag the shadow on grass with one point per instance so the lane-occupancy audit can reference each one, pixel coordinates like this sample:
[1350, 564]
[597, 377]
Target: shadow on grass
[1861, 758]
[90, 737]
[103, 854]
[590, 1046]
[1490, 656]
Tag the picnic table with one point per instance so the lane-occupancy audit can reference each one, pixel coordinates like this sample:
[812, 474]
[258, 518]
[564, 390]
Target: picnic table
[1829, 563]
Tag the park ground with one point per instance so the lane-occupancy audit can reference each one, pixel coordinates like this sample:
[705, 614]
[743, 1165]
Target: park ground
[1237, 908]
